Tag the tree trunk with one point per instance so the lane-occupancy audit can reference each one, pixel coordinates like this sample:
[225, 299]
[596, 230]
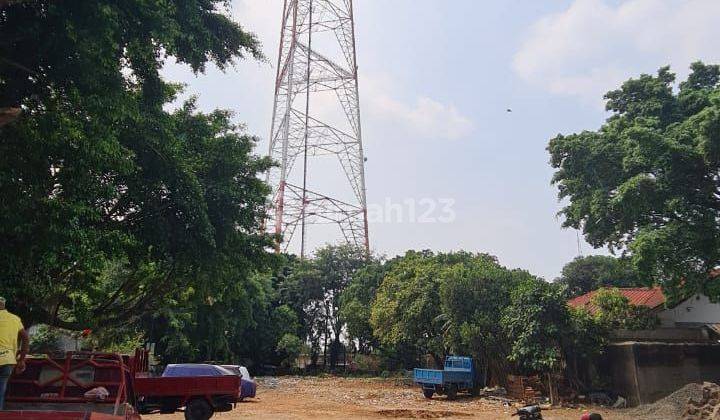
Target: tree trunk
[8, 114]
[552, 390]
[439, 362]
[325, 340]
[335, 347]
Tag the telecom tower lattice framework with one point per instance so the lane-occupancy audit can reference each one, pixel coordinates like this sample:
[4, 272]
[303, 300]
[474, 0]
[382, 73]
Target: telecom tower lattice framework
[317, 56]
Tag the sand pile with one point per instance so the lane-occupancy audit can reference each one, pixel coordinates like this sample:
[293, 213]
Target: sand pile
[707, 407]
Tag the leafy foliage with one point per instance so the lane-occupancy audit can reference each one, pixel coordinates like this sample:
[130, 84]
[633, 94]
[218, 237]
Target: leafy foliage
[337, 265]
[406, 307]
[356, 301]
[585, 274]
[647, 181]
[290, 347]
[44, 340]
[614, 311]
[536, 321]
[440, 303]
[115, 208]
[472, 295]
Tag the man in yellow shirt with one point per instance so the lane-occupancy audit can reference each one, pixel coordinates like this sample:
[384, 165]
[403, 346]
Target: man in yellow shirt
[11, 332]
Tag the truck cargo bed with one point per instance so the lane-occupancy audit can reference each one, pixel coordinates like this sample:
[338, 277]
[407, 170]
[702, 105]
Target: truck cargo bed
[439, 377]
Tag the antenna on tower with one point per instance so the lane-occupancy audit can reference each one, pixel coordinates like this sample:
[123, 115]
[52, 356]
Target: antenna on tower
[316, 57]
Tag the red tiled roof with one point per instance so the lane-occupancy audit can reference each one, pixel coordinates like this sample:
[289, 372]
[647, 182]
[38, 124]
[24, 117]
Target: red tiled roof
[650, 297]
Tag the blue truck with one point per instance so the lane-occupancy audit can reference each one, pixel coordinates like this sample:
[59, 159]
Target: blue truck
[459, 375]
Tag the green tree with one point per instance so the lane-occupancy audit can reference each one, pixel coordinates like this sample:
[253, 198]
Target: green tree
[337, 264]
[535, 322]
[356, 301]
[429, 303]
[646, 182]
[290, 347]
[44, 340]
[614, 311]
[406, 308]
[114, 207]
[585, 274]
[585, 341]
[302, 289]
[472, 295]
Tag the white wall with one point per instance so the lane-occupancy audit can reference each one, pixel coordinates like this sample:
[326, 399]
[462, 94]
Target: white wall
[697, 309]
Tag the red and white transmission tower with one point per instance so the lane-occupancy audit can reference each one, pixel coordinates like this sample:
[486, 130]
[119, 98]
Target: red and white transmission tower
[317, 62]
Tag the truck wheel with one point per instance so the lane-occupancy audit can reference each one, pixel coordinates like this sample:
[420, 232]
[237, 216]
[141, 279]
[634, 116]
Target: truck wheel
[452, 392]
[428, 393]
[198, 409]
[475, 391]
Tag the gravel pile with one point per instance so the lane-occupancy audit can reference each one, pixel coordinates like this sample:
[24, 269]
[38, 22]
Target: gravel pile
[671, 407]
[267, 382]
[708, 407]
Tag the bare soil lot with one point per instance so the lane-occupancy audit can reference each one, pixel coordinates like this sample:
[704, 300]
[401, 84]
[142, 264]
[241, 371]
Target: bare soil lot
[343, 398]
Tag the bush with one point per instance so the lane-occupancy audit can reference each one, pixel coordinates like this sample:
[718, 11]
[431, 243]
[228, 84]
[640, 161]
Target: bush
[616, 312]
[45, 340]
[290, 347]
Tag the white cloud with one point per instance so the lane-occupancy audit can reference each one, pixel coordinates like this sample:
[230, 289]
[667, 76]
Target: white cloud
[592, 46]
[424, 116]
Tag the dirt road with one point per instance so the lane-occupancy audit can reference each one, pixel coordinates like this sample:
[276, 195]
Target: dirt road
[341, 398]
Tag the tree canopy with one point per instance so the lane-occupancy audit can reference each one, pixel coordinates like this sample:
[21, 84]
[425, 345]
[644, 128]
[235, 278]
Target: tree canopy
[447, 302]
[112, 205]
[356, 302]
[536, 322]
[647, 181]
[585, 274]
[407, 304]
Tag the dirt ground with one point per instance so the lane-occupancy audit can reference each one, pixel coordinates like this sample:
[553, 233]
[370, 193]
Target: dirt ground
[342, 398]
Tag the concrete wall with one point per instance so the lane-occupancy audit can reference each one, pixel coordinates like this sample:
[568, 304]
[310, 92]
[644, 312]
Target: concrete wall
[646, 372]
[665, 335]
[695, 310]
[621, 363]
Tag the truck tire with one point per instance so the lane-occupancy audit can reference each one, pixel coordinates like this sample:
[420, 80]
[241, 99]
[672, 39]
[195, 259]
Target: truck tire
[475, 391]
[198, 409]
[451, 392]
[428, 393]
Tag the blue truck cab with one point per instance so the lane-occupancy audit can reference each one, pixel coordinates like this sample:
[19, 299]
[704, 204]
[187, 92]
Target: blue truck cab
[458, 375]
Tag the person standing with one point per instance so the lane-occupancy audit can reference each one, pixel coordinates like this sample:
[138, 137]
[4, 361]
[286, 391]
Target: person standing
[11, 332]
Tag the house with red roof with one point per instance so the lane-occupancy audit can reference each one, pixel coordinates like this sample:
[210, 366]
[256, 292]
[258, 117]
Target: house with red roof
[649, 297]
[646, 365]
[696, 312]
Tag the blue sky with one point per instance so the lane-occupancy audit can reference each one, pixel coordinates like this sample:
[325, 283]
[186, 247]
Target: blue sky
[436, 78]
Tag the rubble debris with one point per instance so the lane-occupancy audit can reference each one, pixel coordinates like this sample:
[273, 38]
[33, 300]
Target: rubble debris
[620, 403]
[496, 390]
[671, 407]
[528, 389]
[707, 407]
[99, 393]
[420, 414]
[267, 381]
[600, 398]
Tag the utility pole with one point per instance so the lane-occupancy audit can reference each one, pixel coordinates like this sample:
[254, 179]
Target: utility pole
[317, 61]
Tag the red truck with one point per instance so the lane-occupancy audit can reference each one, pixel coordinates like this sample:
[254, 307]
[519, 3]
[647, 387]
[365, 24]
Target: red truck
[59, 388]
[202, 396]
[107, 386]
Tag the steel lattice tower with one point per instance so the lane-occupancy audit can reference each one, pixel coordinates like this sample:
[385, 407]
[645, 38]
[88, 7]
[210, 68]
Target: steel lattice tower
[317, 57]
